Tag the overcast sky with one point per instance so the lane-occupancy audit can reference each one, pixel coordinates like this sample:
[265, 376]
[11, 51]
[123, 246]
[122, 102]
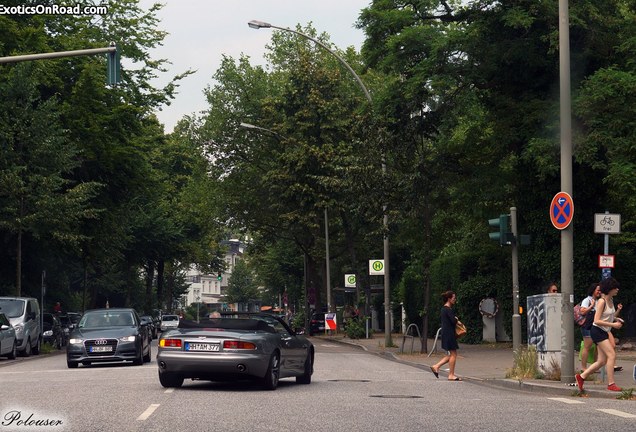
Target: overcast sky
[200, 31]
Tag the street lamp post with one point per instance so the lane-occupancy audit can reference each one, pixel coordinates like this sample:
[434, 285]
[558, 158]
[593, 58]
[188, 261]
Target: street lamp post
[255, 24]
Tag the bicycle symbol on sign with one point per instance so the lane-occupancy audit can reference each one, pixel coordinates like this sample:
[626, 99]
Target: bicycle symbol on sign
[607, 221]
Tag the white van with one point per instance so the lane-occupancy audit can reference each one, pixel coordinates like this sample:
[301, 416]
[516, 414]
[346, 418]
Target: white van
[24, 316]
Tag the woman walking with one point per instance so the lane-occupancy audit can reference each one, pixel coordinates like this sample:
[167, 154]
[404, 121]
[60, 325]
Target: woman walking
[449, 341]
[603, 324]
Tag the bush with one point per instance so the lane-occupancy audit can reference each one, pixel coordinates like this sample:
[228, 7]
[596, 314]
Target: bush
[355, 328]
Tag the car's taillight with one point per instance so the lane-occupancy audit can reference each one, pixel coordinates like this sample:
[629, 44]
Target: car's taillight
[230, 344]
[170, 343]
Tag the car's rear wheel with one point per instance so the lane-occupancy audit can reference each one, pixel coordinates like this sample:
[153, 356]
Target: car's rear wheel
[148, 357]
[270, 381]
[14, 351]
[71, 365]
[168, 379]
[305, 378]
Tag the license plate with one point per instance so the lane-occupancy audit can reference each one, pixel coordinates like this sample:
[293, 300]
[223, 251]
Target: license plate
[101, 348]
[191, 346]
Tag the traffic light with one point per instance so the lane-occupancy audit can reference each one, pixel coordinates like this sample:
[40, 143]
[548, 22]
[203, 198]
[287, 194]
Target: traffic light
[219, 277]
[503, 236]
[113, 68]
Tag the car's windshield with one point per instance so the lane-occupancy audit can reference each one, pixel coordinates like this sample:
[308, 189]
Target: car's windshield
[12, 308]
[169, 318]
[106, 319]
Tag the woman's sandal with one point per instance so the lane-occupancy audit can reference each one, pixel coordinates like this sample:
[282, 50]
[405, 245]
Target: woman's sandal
[456, 379]
[434, 373]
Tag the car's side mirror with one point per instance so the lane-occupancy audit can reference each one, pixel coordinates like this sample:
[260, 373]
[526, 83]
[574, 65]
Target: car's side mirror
[4, 327]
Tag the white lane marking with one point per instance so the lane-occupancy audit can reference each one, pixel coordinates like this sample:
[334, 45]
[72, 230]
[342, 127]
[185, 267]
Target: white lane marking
[170, 390]
[329, 345]
[148, 412]
[567, 401]
[617, 413]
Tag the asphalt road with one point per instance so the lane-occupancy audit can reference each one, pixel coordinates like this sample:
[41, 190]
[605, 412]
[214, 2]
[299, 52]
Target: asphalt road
[351, 391]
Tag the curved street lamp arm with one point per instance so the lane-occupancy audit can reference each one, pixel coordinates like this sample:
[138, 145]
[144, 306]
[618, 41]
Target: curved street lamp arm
[260, 24]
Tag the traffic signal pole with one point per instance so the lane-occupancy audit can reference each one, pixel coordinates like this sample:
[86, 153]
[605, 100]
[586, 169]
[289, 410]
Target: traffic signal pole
[113, 67]
[516, 318]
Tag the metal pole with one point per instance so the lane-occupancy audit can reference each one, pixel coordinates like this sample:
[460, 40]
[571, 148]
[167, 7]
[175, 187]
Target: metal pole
[516, 318]
[567, 235]
[328, 273]
[42, 56]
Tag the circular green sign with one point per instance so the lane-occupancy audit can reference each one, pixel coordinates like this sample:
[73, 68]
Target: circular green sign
[351, 279]
[378, 265]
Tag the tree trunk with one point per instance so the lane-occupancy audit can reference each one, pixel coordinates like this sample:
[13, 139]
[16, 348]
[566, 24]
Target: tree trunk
[18, 265]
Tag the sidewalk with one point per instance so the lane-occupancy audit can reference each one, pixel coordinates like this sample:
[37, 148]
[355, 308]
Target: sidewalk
[488, 363]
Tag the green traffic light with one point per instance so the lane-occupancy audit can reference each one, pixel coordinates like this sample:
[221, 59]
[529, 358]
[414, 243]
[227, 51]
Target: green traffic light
[504, 236]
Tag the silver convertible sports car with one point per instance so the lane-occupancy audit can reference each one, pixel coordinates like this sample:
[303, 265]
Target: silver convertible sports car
[235, 347]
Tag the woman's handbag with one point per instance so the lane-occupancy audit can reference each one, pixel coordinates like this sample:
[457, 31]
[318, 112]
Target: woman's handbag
[460, 330]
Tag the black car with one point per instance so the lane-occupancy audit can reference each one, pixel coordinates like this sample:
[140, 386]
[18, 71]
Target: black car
[109, 335]
[317, 323]
[52, 331]
[150, 324]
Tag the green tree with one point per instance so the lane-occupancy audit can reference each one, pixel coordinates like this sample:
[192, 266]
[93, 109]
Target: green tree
[241, 287]
[38, 198]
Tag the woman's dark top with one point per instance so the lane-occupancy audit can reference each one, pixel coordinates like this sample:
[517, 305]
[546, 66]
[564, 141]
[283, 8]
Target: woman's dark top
[449, 342]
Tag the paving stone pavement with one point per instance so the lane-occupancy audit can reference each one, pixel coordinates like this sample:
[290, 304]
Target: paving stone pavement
[488, 363]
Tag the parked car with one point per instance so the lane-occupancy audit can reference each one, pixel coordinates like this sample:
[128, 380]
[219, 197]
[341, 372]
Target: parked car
[8, 341]
[235, 347]
[108, 335]
[169, 322]
[150, 324]
[24, 316]
[53, 331]
[317, 323]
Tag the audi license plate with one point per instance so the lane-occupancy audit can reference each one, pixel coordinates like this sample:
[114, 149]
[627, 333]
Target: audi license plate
[191, 346]
[101, 348]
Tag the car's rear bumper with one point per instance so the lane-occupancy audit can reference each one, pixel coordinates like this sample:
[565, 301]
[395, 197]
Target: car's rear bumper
[228, 365]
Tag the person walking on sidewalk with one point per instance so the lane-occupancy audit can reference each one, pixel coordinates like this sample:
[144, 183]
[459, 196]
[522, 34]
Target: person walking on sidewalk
[587, 309]
[449, 341]
[603, 324]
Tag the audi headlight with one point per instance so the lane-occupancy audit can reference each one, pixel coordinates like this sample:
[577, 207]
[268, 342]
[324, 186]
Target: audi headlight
[48, 333]
[128, 338]
[74, 341]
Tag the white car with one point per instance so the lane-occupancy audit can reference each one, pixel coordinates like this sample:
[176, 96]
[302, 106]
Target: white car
[169, 322]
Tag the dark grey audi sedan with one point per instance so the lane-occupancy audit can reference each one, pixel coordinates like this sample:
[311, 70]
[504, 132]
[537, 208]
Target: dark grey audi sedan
[108, 335]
